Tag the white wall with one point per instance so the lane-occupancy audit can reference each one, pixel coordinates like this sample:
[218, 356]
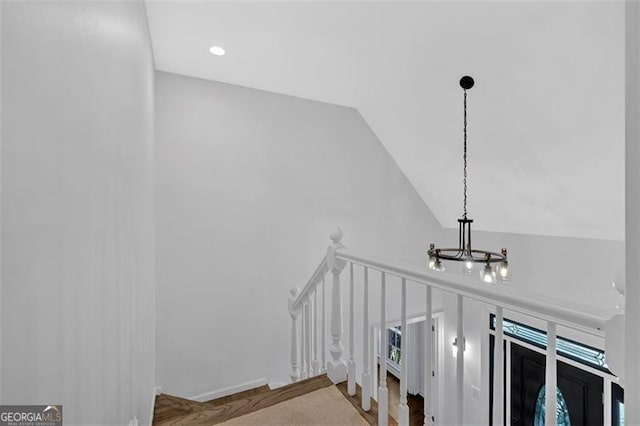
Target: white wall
[573, 269]
[1, 320]
[576, 269]
[250, 185]
[632, 209]
[77, 209]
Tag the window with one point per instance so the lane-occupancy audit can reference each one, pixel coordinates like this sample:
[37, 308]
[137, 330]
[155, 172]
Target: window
[617, 405]
[568, 348]
[562, 412]
[620, 411]
[394, 343]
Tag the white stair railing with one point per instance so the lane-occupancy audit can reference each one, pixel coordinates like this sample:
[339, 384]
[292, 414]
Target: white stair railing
[306, 342]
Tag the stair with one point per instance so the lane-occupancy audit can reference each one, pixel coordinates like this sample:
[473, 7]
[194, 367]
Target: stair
[175, 411]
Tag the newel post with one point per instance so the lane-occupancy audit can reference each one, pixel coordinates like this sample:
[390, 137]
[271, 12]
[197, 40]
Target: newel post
[295, 364]
[337, 367]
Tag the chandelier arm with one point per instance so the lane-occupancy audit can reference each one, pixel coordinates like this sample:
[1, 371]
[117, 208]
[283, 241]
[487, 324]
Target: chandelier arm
[458, 255]
[494, 256]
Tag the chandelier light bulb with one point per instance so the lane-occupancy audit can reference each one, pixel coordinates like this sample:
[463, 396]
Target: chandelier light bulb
[503, 270]
[488, 275]
[431, 263]
[467, 269]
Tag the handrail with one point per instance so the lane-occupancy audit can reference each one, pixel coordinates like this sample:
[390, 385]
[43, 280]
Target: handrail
[575, 316]
[317, 275]
[587, 319]
[308, 354]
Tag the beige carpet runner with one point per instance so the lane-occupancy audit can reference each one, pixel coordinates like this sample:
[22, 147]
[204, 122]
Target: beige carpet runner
[325, 406]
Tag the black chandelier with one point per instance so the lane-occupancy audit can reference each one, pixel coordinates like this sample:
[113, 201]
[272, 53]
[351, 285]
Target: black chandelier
[494, 263]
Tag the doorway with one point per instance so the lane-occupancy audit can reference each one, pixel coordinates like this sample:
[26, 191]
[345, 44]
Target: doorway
[415, 368]
[579, 392]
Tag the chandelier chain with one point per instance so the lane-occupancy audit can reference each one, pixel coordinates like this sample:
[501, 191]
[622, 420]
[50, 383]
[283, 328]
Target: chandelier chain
[465, 154]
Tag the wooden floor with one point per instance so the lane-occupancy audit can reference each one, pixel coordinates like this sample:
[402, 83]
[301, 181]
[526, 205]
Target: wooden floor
[370, 416]
[175, 411]
[415, 402]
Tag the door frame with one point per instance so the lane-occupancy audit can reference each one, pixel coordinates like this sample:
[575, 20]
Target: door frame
[607, 379]
[374, 338]
[585, 406]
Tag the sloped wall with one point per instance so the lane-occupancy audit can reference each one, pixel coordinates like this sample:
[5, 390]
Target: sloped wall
[77, 210]
[249, 186]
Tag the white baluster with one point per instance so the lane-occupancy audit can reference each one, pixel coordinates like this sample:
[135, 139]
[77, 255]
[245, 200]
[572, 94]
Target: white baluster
[295, 365]
[428, 361]
[337, 368]
[460, 364]
[498, 370]
[551, 378]
[351, 384]
[366, 376]
[316, 362]
[383, 395]
[403, 408]
[323, 339]
[307, 335]
[303, 357]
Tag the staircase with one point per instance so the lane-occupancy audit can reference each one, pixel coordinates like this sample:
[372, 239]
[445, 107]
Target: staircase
[175, 411]
[318, 358]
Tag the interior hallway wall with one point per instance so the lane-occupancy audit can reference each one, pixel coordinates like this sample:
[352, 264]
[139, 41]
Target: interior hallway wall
[632, 210]
[250, 185]
[77, 209]
[1, 6]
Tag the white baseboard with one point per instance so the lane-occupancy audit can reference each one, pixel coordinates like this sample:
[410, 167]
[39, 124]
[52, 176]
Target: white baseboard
[276, 385]
[219, 393]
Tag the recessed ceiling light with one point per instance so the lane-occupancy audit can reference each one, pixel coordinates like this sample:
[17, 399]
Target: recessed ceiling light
[217, 50]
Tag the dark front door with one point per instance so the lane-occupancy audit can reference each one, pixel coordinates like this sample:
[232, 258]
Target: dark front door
[580, 392]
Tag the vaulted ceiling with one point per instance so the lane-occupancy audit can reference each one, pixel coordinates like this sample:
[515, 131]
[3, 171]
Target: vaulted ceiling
[546, 116]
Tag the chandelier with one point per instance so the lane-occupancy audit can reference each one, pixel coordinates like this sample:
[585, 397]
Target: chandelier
[494, 264]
